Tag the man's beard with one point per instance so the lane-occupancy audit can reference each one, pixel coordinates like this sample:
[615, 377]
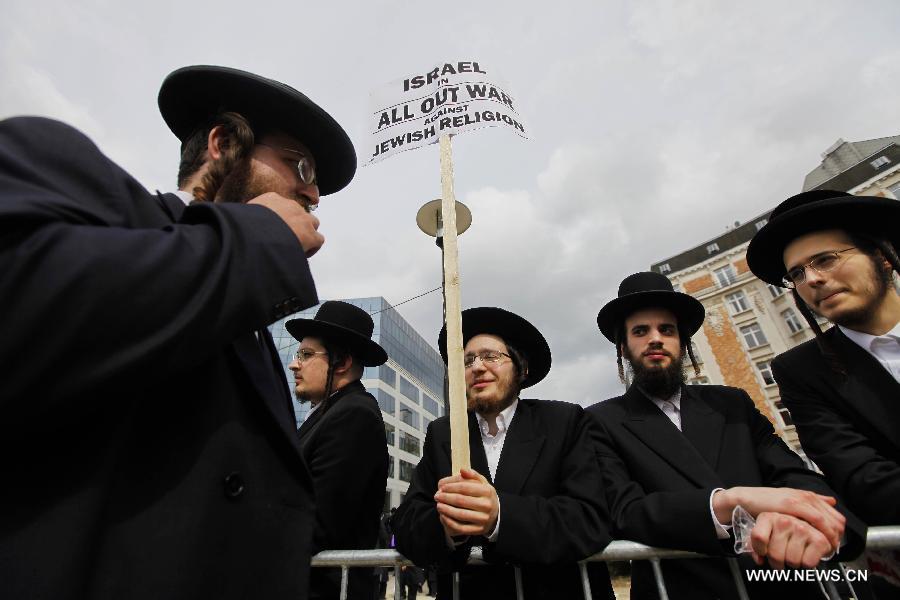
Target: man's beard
[858, 318]
[658, 382]
[508, 391]
[238, 186]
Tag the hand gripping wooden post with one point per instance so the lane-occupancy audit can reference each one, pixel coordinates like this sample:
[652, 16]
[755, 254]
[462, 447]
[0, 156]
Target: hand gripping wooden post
[459, 420]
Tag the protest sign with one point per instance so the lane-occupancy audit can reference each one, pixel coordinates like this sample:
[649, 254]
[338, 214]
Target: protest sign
[450, 98]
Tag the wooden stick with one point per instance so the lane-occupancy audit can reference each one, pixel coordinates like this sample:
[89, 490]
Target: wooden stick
[459, 418]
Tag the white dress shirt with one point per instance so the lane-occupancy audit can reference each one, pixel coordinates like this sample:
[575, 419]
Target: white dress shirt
[883, 348]
[671, 407]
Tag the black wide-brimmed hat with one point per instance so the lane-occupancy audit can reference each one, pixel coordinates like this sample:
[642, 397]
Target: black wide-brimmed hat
[344, 324]
[815, 211]
[513, 329]
[190, 96]
[650, 290]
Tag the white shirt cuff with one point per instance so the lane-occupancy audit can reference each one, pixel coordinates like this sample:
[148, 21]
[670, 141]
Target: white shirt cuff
[723, 532]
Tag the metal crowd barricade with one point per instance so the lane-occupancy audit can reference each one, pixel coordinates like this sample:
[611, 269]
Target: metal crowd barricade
[878, 538]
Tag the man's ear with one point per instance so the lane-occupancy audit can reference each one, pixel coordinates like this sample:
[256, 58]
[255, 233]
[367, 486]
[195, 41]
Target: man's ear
[216, 143]
[344, 366]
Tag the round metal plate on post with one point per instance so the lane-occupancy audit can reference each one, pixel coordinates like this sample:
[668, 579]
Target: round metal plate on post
[430, 221]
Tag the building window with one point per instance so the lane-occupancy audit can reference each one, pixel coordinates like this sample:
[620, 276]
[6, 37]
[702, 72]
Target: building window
[409, 416]
[699, 381]
[753, 335]
[774, 290]
[389, 433]
[410, 443]
[765, 369]
[793, 323]
[430, 405]
[895, 190]
[406, 470]
[725, 275]
[784, 412]
[737, 302]
[761, 223]
[665, 268]
[387, 375]
[386, 401]
[409, 390]
[880, 162]
[711, 248]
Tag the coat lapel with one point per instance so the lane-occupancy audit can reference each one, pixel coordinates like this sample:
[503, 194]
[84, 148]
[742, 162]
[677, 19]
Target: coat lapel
[701, 425]
[307, 426]
[658, 433]
[521, 449]
[869, 388]
[171, 205]
[262, 377]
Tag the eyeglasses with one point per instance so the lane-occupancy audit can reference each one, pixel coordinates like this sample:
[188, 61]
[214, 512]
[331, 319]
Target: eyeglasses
[305, 167]
[304, 354]
[487, 357]
[827, 261]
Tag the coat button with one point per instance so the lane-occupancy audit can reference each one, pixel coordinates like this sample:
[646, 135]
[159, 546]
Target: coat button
[234, 485]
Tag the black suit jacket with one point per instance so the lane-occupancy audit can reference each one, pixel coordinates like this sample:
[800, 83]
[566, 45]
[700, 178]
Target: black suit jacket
[552, 510]
[848, 425]
[658, 482]
[345, 447]
[146, 438]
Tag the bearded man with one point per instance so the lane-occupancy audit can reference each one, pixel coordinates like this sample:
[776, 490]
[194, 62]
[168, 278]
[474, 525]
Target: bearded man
[677, 460]
[837, 253]
[533, 498]
[161, 458]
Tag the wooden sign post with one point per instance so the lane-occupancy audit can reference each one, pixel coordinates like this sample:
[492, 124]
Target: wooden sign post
[456, 377]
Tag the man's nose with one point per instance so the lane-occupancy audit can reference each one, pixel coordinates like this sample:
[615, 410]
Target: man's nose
[294, 365]
[310, 193]
[813, 277]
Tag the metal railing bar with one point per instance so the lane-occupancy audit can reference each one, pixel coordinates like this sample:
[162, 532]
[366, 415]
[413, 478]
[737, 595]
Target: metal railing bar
[585, 581]
[658, 576]
[345, 573]
[517, 572]
[738, 580]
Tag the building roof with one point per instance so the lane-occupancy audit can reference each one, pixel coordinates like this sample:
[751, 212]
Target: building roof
[841, 158]
[732, 238]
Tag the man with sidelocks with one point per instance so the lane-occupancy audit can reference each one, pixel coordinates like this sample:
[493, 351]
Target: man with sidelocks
[837, 253]
[677, 460]
[160, 459]
[343, 438]
[533, 498]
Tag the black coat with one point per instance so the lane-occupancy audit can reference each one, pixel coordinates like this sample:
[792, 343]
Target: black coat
[147, 441]
[345, 447]
[552, 511]
[658, 482]
[849, 426]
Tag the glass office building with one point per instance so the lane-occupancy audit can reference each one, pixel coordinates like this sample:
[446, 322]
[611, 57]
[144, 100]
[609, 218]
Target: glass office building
[409, 387]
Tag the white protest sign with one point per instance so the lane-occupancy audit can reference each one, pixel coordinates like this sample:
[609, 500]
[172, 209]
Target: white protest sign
[450, 98]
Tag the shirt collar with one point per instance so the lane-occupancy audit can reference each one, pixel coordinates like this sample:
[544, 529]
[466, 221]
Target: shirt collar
[867, 341]
[184, 196]
[503, 419]
[673, 399]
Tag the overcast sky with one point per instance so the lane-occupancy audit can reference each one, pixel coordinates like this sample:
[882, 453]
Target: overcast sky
[654, 125]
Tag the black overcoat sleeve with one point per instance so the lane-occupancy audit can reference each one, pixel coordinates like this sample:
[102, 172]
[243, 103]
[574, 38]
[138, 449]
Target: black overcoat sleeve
[418, 532]
[863, 476]
[103, 290]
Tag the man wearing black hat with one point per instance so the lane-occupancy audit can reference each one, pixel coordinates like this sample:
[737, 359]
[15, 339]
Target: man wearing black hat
[342, 437]
[679, 459]
[147, 438]
[533, 497]
[837, 253]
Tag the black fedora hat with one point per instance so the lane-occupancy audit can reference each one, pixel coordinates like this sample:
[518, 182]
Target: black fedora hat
[514, 330]
[650, 290]
[814, 211]
[190, 96]
[344, 324]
